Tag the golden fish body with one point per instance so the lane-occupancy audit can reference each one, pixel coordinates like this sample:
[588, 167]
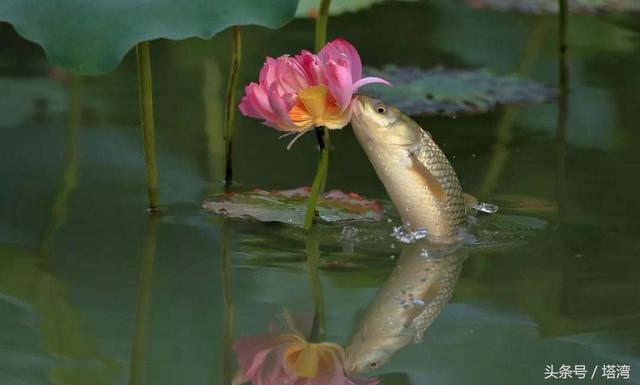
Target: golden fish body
[416, 174]
[406, 305]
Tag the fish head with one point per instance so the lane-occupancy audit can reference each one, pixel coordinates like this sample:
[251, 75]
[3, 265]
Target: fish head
[365, 354]
[383, 124]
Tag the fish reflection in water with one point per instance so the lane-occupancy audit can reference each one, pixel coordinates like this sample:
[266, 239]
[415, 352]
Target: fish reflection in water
[406, 305]
[286, 357]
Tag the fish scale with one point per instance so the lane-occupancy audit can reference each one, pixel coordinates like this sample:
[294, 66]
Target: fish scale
[432, 157]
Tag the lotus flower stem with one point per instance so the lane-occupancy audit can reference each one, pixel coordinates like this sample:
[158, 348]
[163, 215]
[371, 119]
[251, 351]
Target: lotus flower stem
[145, 90]
[322, 133]
[147, 266]
[321, 24]
[318, 182]
[230, 106]
[214, 124]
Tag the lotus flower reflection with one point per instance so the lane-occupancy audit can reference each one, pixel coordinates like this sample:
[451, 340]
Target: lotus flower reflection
[297, 93]
[287, 358]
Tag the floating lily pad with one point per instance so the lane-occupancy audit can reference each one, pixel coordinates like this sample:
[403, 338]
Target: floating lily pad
[289, 206]
[551, 6]
[440, 91]
[309, 8]
[91, 37]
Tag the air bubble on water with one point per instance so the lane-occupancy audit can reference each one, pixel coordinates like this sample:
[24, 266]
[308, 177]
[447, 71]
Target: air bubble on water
[473, 155]
[424, 253]
[486, 207]
[392, 256]
[393, 245]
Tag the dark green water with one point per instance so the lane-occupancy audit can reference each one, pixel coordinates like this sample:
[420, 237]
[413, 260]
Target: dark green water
[78, 252]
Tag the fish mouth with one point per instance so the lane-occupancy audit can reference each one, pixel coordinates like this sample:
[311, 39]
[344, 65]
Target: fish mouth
[358, 108]
[357, 118]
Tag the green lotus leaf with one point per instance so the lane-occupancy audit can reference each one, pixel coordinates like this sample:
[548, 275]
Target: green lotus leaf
[289, 206]
[441, 91]
[551, 6]
[91, 37]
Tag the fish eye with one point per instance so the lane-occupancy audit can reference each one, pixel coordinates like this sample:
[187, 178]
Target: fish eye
[373, 365]
[381, 109]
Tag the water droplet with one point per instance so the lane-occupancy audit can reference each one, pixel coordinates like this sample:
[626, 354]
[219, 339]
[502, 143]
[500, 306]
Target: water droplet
[419, 303]
[405, 235]
[486, 207]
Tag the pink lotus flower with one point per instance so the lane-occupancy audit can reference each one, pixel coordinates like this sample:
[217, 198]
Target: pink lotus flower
[288, 359]
[296, 94]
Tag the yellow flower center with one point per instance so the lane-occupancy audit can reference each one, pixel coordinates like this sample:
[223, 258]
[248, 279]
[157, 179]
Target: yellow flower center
[315, 107]
[306, 360]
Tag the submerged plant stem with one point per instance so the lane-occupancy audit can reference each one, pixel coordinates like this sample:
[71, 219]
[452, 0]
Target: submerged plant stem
[230, 104]
[145, 91]
[563, 109]
[313, 263]
[229, 306]
[70, 173]
[563, 64]
[139, 345]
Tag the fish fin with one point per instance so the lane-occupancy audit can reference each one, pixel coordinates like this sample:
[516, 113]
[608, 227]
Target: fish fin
[430, 180]
[469, 201]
